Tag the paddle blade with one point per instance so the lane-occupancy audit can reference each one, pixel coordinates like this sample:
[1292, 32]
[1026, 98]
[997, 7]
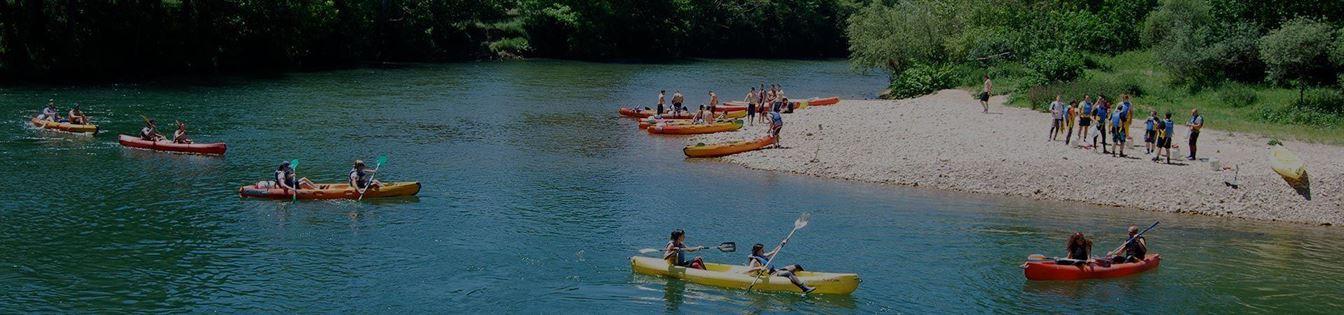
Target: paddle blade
[294, 163]
[1036, 257]
[802, 220]
[382, 159]
[647, 251]
[728, 247]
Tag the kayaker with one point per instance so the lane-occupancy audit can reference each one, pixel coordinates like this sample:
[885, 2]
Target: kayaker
[284, 178]
[1150, 133]
[1135, 250]
[1079, 248]
[151, 131]
[1169, 135]
[759, 260]
[677, 100]
[1070, 115]
[776, 123]
[675, 252]
[984, 94]
[1118, 132]
[699, 117]
[713, 99]
[1196, 123]
[360, 177]
[661, 99]
[180, 135]
[1127, 110]
[751, 106]
[1084, 117]
[49, 113]
[1101, 112]
[76, 116]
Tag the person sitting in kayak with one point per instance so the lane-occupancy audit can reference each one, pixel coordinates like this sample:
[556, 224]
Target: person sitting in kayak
[180, 135]
[49, 113]
[776, 123]
[284, 178]
[1079, 248]
[151, 131]
[675, 252]
[759, 260]
[76, 116]
[361, 177]
[1134, 251]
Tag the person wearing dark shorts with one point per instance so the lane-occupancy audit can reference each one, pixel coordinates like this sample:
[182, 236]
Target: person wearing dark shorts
[1149, 132]
[661, 100]
[1196, 123]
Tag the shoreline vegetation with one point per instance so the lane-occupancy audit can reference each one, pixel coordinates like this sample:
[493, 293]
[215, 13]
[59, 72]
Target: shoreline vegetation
[943, 141]
[1268, 67]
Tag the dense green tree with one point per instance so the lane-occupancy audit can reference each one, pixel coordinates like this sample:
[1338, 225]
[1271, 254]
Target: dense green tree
[1298, 52]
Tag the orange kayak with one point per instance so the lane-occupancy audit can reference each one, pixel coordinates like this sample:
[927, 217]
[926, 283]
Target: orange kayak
[701, 150]
[639, 113]
[823, 101]
[1049, 270]
[331, 191]
[670, 129]
[66, 127]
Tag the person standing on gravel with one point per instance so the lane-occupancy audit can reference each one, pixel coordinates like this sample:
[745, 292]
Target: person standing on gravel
[1196, 123]
[1100, 112]
[984, 93]
[1084, 117]
[1057, 122]
[776, 123]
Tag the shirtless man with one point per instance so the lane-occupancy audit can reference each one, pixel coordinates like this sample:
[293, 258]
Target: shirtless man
[677, 99]
[661, 101]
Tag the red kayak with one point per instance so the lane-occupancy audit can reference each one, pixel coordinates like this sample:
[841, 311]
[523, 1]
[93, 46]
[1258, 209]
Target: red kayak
[1049, 270]
[169, 146]
[639, 113]
[823, 101]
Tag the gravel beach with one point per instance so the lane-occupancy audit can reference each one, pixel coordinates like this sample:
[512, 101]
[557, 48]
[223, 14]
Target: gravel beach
[943, 141]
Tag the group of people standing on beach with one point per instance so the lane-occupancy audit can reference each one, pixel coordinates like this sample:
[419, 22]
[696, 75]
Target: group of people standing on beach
[765, 101]
[1159, 133]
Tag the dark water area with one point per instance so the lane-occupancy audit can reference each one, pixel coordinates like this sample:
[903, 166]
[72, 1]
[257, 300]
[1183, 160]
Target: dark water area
[535, 197]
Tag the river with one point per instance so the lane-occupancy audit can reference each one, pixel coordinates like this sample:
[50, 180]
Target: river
[535, 197]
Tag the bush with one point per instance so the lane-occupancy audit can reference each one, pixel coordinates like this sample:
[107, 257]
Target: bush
[1196, 48]
[1237, 95]
[1325, 100]
[1055, 65]
[1287, 114]
[1298, 52]
[921, 80]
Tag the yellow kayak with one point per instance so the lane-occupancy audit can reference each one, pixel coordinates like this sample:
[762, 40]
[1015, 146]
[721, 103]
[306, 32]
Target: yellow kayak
[66, 127]
[1287, 164]
[732, 276]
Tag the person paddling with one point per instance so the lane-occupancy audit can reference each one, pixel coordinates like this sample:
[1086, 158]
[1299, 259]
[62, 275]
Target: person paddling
[759, 261]
[49, 113]
[151, 131]
[360, 177]
[285, 179]
[1079, 248]
[180, 135]
[1134, 251]
[76, 116]
[675, 252]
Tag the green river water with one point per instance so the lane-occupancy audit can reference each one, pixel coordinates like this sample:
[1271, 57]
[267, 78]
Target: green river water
[535, 197]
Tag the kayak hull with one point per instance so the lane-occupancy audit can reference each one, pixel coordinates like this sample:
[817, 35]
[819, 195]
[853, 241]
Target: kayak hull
[650, 121]
[169, 146]
[735, 277]
[635, 113]
[823, 101]
[1050, 271]
[1288, 165]
[701, 150]
[669, 129]
[66, 127]
[331, 191]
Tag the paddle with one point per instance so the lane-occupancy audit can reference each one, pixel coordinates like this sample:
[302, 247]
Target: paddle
[726, 247]
[381, 159]
[1131, 239]
[294, 166]
[797, 224]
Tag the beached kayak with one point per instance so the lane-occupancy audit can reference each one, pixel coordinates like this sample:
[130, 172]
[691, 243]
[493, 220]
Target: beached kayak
[682, 129]
[824, 101]
[331, 191]
[650, 121]
[639, 113]
[1288, 165]
[67, 127]
[730, 276]
[169, 146]
[1049, 270]
[701, 150]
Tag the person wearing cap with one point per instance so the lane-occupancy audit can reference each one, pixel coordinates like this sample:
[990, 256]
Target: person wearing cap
[49, 113]
[361, 177]
[76, 116]
[151, 131]
[180, 135]
[1133, 251]
[284, 178]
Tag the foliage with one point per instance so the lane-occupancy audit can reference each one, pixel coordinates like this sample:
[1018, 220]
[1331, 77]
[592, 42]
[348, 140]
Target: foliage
[895, 37]
[1237, 95]
[921, 80]
[1199, 49]
[1055, 65]
[1297, 52]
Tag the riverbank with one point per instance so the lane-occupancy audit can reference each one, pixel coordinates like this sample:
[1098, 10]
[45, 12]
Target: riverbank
[943, 141]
